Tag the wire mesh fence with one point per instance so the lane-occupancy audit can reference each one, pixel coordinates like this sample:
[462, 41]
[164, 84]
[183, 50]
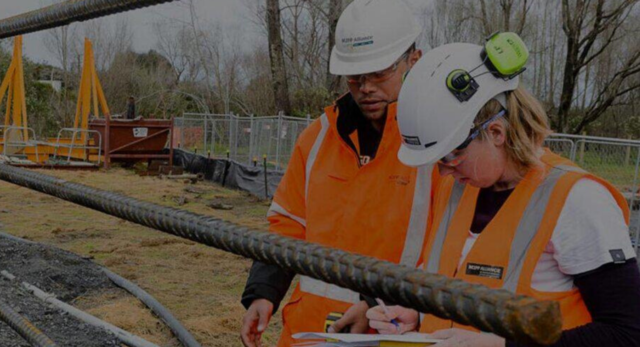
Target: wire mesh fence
[245, 139]
[615, 160]
[250, 140]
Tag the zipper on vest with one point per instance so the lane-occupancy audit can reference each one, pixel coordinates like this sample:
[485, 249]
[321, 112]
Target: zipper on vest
[351, 150]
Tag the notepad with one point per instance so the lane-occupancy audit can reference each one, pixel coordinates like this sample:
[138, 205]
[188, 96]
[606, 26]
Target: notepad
[363, 340]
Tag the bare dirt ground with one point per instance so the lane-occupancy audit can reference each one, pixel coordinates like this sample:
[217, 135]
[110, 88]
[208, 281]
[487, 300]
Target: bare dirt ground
[200, 285]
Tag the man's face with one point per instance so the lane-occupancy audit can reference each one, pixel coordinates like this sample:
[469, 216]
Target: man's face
[374, 92]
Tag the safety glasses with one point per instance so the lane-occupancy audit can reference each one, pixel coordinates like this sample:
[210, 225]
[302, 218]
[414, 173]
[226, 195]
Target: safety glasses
[378, 76]
[457, 156]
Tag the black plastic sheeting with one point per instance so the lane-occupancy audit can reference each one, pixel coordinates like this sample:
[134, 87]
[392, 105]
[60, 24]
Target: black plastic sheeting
[229, 173]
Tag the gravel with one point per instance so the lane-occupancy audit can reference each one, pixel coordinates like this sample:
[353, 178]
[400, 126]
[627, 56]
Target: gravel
[64, 274]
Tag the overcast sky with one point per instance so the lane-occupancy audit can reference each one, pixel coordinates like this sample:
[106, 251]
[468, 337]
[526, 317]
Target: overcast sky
[228, 13]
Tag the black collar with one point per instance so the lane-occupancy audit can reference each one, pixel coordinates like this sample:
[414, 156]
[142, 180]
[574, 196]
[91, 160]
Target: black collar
[350, 119]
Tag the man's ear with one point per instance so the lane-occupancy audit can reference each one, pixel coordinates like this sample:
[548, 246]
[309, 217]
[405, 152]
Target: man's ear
[497, 132]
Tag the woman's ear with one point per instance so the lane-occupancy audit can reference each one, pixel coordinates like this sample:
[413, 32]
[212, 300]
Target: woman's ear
[414, 57]
[497, 133]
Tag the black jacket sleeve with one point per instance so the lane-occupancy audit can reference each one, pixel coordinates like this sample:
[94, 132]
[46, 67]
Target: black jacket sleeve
[269, 282]
[612, 296]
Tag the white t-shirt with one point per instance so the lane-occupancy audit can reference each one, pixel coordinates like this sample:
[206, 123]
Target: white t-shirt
[590, 225]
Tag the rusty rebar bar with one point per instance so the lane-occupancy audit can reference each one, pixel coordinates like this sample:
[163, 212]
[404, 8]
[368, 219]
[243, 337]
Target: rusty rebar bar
[24, 327]
[67, 12]
[514, 317]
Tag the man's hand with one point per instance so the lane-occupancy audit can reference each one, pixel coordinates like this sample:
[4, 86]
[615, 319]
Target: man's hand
[406, 318]
[255, 322]
[355, 320]
[459, 337]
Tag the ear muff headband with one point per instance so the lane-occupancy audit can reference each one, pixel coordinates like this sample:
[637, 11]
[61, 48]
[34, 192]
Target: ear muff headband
[505, 56]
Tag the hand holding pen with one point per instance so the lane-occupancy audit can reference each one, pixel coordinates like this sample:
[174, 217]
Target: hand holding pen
[385, 309]
[392, 320]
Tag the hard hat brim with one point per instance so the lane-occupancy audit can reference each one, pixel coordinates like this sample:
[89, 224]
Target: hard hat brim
[414, 158]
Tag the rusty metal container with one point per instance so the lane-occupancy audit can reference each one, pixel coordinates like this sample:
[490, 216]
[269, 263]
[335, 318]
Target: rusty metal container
[134, 140]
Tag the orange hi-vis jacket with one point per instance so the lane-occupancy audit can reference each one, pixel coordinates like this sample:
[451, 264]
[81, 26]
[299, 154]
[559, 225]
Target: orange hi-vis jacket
[327, 197]
[506, 253]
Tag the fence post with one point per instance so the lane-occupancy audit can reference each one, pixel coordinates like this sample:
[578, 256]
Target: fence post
[581, 156]
[230, 116]
[251, 140]
[204, 147]
[213, 136]
[182, 128]
[627, 155]
[266, 181]
[308, 119]
[278, 136]
[235, 136]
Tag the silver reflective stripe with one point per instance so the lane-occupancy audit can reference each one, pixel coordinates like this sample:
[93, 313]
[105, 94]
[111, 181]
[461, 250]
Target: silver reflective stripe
[325, 290]
[436, 249]
[275, 208]
[570, 168]
[313, 154]
[308, 284]
[418, 219]
[529, 225]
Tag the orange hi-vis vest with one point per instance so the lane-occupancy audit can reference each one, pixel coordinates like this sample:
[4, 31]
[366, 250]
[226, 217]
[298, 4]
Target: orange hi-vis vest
[507, 251]
[328, 197]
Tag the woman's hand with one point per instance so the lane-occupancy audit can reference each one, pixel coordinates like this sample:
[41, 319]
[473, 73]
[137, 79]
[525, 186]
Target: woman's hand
[406, 318]
[354, 320]
[462, 338]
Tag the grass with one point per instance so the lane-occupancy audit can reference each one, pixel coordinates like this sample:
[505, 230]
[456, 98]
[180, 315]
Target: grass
[199, 284]
[614, 167]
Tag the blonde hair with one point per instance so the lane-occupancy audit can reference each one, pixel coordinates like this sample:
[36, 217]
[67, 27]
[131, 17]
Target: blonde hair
[527, 126]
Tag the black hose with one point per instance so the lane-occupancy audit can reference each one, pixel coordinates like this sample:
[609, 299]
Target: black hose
[23, 327]
[67, 12]
[181, 333]
[515, 317]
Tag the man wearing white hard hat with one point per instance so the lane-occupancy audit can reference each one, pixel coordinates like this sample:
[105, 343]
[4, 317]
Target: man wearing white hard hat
[508, 213]
[345, 187]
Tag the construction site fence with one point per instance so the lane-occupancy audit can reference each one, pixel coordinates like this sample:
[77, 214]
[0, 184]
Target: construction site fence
[244, 139]
[249, 139]
[616, 160]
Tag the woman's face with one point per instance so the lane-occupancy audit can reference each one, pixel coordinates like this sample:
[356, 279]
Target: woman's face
[483, 162]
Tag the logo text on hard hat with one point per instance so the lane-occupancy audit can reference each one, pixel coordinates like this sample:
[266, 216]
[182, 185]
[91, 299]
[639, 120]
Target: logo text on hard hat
[411, 140]
[358, 41]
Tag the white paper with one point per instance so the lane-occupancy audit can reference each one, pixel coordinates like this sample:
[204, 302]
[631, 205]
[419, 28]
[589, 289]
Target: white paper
[358, 340]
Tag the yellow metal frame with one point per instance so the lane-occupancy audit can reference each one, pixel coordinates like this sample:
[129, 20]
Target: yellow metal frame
[90, 96]
[90, 92]
[13, 87]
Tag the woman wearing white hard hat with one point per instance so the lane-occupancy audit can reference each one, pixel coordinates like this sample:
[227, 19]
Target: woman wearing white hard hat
[510, 214]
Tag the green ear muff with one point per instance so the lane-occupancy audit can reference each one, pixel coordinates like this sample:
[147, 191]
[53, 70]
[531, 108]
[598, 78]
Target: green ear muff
[461, 84]
[505, 55]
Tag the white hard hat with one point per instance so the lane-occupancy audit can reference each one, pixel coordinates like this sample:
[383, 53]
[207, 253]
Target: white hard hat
[434, 120]
[371, 35]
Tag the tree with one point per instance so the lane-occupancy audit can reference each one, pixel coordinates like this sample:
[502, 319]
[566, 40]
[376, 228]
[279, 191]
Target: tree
[62, 43]
[590, 30]
[278, 73]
